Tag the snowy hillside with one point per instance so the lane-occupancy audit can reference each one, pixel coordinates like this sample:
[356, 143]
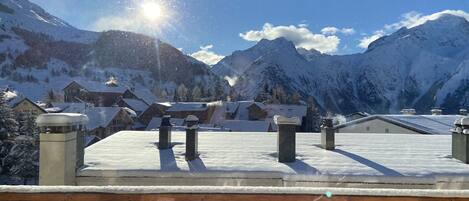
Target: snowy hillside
[422, 67]
[39, 52]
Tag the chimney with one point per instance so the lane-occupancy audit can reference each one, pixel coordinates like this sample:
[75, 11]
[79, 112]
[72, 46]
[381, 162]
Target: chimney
[192, 128]
[61, 148]
[436, 111]
[164, 141]
[408, 111]
[463, 112]
[327, 135]
[460, 140]
[286, 138]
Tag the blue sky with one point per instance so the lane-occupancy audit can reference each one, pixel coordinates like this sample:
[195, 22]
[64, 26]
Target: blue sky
[222, 26]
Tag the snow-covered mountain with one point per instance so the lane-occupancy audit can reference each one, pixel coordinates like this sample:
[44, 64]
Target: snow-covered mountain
[39, 52]
[422, 67]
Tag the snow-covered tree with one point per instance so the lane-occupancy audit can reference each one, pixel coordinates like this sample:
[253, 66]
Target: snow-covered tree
[196, 93]
[28, 126]
[23, 159]
[182, 92]
[8, 123]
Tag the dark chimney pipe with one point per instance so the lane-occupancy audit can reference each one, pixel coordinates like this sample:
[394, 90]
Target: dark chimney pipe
[165, 133]
[286, 138]
[327, 135]
[192, 128]
[460, 140]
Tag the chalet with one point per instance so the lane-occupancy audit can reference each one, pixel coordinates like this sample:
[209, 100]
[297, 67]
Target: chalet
[183, 109]
[142, 94]
[156, 122]
[136, 105]
[105, 121]
[257, 111]
[98, 94]
[408, 124]
[355, 115]
[153, 110]
[22, 105]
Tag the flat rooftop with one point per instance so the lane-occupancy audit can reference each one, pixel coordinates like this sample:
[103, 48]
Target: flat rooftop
[423, 161]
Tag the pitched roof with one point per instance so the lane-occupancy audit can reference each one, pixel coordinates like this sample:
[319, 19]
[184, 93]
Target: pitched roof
[360, 159]
[101, 116]
[424, 124]
[70, 107]
[98, 87]
[187, 106]
[286, 110]
[245, 126]
[146, 95]
[156, 122]
[136, 104]
[17, 100]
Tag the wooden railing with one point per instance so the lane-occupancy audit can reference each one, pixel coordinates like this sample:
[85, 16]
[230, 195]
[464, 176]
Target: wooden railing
[21, 193]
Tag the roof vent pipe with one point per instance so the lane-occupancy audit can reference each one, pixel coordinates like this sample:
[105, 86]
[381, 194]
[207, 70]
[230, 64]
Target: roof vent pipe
[460, 140]
[164, 141]
[327, 135]
[409, 111]
[286, 138]
[192, 127]
[436, 111]
[463, 112]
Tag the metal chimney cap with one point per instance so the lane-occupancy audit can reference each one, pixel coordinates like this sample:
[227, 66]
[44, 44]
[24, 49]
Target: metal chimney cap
[465, 121]
[192, 118]
[278, 119]
[61, 119]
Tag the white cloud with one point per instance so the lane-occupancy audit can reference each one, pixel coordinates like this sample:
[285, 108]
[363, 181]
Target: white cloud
[300, 35]
[335, 30]
[365, 41]
[207, 56]
[409, 20]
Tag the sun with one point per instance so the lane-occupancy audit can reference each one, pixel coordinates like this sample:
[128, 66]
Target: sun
[152, 10]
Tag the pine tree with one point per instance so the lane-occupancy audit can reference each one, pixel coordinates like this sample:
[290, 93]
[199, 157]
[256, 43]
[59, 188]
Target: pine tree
[182, 92]
[28, 126]
[8, 123]
[196, 93]
[23, 159]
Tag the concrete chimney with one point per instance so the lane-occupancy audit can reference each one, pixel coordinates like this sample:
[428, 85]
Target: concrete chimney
[286, 138]
[164, 141]
[463, 112]
[60, 152]
[327, 135]
[409, 111]
[460, 140]
[436, 111]
[192, 127]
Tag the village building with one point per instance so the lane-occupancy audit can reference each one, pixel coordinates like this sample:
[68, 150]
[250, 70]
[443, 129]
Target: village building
[70, 107]
[183, 109]
[105, 121]
[355, 115]
[136, 105]
[408, 124]
[23, 105]
[99, 94]
[142, 94]
[154, 110]
[156, 122]
[245, 126]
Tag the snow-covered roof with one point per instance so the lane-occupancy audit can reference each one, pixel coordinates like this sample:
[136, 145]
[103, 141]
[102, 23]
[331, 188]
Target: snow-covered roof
[231, 107]
[361, 158]
[101, 116]
[243, 112]
[245, 125]
[156, 122]
[99, 87]
[146, 95]
[187, 106]
[136, 104]
[70, 107]
[286, 110]
[425, 124]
